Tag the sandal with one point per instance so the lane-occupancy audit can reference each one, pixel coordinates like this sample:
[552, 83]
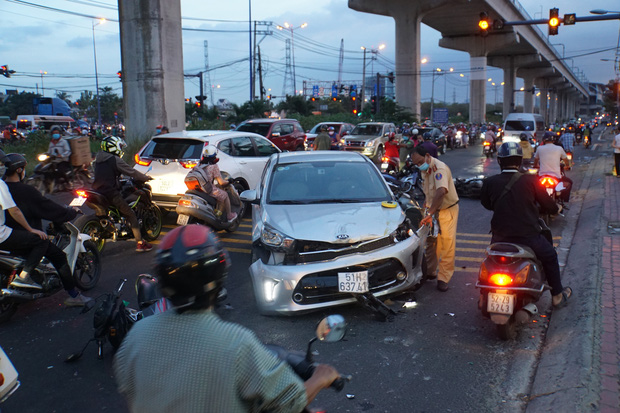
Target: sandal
[566, 294]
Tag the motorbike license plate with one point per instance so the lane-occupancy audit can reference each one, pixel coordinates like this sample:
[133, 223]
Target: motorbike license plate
[353, 282]
[501, 303]
[384, 166]
[79, 201]
[550, 191]
[182, 219]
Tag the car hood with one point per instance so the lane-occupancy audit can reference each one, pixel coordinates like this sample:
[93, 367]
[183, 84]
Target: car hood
[361, 137]
[334, 223]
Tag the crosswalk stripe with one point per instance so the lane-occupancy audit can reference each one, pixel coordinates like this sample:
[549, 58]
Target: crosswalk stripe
[480, 250]
[459, 234]
[466, 241]
[474, 259]
[467, 269]
[236, 241]
[240, 250]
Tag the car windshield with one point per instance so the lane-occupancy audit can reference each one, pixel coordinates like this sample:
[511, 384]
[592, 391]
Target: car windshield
[260, 128]
[325, 182]
[167, 148]
[370, 130]
[316, 127]
[519, 125]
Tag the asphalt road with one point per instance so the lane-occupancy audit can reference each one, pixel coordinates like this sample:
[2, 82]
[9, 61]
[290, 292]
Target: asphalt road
[439, 354]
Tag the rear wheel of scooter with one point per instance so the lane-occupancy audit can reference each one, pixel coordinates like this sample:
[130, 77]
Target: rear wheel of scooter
[508, 331]
[88, 267]
[151, 222]
[7, 309]
[90, 225]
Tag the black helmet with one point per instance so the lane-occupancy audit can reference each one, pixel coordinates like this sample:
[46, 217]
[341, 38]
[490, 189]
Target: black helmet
[427, 136]
[191, 263]
[508, 149]
[14, 161]
[524, 136]
[548, 136]
[147, 290]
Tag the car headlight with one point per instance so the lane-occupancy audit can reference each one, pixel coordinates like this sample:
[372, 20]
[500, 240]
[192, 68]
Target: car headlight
[370, 143]
[402, 232]
[269, 289]
[276, 240]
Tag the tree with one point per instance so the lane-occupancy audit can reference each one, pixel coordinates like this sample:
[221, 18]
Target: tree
[20, 104]
[295, 104]
[64, 96]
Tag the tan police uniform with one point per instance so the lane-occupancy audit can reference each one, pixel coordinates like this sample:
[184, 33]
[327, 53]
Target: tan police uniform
[440, 251]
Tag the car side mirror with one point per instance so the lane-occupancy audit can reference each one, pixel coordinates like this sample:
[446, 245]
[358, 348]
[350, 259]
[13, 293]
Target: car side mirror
[275, 135]
[345, 133]
[249, 196]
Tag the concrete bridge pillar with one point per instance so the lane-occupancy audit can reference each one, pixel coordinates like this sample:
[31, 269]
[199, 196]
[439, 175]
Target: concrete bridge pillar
[152, 65]
[510, 81]
[407, 62]
[477, 89]
[542, 84]
[528, 96]
[553, 106]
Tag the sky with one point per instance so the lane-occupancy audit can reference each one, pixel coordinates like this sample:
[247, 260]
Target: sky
[35, 40]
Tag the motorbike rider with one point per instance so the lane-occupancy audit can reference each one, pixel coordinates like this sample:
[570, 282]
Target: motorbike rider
[237, 373]
[60, 151]
[489, 136]
[406, 148]
[36, 207]
[322, 142]
[209, 171]
[392, 149]
[109, 166]
[331, 131]
[526, 148]
[567, 141]
[428, 144]
[549, 157]
[516, 214]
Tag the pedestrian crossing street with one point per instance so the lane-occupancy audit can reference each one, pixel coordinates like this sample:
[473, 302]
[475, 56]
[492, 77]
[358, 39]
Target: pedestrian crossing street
[470, 247]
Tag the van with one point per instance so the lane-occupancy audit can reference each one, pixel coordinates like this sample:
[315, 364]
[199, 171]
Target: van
[44, 122]
[518, 123]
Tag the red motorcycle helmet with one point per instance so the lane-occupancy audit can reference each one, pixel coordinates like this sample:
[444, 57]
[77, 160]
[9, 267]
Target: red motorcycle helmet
[191, 263]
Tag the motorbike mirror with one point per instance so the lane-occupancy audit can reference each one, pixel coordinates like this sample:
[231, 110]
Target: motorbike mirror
[331, 328]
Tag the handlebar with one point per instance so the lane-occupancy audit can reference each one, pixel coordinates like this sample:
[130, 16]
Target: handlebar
[339, 383]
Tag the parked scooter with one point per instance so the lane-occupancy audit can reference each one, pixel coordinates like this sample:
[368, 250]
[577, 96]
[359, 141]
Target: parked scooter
[108, 223]
[198, 207]
[82, 256]
[47, 178]
[511, 280]
[9, 382]
[330, 329]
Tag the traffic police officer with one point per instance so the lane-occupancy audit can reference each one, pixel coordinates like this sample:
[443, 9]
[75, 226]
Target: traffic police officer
[442, 202]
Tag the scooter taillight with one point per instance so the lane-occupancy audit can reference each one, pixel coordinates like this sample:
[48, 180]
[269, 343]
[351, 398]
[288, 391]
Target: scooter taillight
[500, 279]
[385, 159]
[81, 193]
[486, 144]
[548, 181]
[185, 202]
[192, 184]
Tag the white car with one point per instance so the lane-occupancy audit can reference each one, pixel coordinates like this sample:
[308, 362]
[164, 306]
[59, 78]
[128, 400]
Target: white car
[168, 158]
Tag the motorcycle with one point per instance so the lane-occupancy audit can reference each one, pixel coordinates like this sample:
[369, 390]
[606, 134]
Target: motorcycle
[108, 223]
[83, 258]
[9, 382]
[488, 149]
[511, 280]
[47, 177]
[389, 165]
[469, 187]
[196, 206]
[586, 142]
[330, 329]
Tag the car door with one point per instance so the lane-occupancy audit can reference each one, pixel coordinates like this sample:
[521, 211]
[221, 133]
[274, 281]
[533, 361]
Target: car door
[288, 136]
[277, 136]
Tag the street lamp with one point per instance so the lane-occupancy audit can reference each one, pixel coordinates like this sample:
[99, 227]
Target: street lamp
[99, 21]
[438, 70]
[375, 51]
[292, 30]
[42, 88]
[602, 11]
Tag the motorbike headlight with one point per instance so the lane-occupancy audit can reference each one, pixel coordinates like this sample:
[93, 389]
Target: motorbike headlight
[42, 157]
[275, 239]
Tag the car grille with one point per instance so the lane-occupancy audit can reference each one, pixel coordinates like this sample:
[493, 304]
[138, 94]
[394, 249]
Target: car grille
[356, 143]
[323, 286]
[313, 251]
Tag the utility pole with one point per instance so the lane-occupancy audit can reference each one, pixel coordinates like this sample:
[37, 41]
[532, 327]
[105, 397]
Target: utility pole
[208, 76]
[260, 75]
[363, 82]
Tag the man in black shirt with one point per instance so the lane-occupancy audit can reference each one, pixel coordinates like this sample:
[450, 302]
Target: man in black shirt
[35, 207]
[516, 212]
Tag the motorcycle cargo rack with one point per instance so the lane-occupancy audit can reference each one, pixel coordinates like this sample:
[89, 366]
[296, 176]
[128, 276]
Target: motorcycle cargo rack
[507, 249]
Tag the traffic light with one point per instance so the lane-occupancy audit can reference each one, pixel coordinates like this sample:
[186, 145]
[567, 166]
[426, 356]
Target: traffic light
[334, 99]
[355, 111]
[554, 21]
[313, 98]
[4, 70]
[268, 97]
[198, 104]
[484, 24]
[373, 104]
[120, 75]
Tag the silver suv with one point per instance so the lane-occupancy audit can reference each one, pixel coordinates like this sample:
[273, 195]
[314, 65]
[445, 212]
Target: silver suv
[369, 139]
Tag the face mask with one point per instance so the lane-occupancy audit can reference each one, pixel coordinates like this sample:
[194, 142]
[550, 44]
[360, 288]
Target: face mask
[423, 167]
[157, 130]
[56, 136]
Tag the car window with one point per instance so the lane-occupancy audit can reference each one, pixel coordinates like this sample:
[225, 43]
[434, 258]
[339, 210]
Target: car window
[265, 147]
[276, 129]
[255, 127]
[519, 125]
[224, 146]
[315, 129]
[298, 127]
[326, 182]
[287, 128]
[166, 148]
[242, 146]
[370, 130]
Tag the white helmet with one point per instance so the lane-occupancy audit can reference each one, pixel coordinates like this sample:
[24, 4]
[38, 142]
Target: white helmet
[415, 132]
[209, 152]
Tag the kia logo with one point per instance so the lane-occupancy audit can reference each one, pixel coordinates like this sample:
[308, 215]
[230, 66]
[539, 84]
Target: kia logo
[342, 236]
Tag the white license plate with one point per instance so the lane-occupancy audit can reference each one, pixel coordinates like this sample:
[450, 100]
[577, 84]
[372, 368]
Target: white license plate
[182, 219]
[163, 186]
[384, 165]
[353, 282]
[501, 303]
[79, 201]
[550, 191]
